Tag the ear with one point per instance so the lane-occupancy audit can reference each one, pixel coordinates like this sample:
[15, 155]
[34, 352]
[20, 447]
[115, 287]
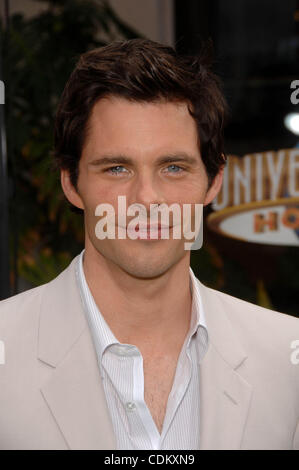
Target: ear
[215, 187]
[70, 192]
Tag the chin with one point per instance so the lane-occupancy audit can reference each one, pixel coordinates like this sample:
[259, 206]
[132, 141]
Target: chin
[148, 267]
[145, 271]
[140, 262]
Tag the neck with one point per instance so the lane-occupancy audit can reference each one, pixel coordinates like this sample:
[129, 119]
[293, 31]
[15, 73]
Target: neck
[144, 312]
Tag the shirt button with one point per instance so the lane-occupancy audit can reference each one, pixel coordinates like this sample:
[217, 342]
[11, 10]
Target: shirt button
[118, 349]
[121, 350]
[124, 350]
[130, 406]
[131, 351]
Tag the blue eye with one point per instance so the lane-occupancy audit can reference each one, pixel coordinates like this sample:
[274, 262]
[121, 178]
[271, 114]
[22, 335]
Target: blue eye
[115, 168]
[177, 168]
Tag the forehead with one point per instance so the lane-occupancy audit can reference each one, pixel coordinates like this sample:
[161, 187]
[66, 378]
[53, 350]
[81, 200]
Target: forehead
[119, 124]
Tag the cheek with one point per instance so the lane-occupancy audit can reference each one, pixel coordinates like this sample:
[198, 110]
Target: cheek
[192, 192]
[94, 192]
[198, 187]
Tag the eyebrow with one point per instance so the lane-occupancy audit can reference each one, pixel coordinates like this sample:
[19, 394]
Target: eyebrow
[170, 158]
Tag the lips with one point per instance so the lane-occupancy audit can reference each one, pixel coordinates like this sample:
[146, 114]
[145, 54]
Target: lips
[147, 227]
[153, 227]
[149, 232]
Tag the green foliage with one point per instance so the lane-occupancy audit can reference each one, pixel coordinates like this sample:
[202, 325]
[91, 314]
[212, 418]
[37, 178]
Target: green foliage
[39, 54]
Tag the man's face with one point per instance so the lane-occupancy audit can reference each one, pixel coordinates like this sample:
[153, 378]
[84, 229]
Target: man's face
[143, 134]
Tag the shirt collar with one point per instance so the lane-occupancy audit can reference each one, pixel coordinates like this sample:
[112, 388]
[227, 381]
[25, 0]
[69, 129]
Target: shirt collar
[102, 334]
[198, 325]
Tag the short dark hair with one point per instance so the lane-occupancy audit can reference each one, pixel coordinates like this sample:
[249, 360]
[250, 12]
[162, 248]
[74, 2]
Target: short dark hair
[141, 70]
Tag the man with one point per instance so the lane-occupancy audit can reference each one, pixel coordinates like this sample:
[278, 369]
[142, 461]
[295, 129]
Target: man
[126, 349]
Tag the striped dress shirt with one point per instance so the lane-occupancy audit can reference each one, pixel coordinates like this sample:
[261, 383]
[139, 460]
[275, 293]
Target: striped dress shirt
[121, 369]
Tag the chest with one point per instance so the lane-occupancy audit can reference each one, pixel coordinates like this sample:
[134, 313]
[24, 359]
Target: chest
[159, 375]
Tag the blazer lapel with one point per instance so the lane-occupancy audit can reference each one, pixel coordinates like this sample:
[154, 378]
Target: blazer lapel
[74, 391]
[224, 394]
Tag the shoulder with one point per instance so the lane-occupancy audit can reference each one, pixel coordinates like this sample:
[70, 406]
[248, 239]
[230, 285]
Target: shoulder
[240, 310]
[267, 335]
[269, 338]
[19, 320]
[23, 304]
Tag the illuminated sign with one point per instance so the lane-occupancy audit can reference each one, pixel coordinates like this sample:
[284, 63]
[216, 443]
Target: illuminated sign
[259, 198]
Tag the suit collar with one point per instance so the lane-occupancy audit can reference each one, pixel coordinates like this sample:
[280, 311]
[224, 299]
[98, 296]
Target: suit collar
[61, 318]
[222, 335]
[74, 393]
[225, 395]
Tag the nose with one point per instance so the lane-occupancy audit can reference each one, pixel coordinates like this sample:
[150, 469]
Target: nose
[147, 191]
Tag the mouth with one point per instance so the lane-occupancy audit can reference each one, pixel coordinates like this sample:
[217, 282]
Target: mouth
[149, 232]
[147, 227]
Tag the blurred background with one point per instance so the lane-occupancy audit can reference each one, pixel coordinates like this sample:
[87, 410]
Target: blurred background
[256, 48]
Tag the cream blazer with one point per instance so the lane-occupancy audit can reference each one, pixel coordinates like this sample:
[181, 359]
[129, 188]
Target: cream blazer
[52, 397]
